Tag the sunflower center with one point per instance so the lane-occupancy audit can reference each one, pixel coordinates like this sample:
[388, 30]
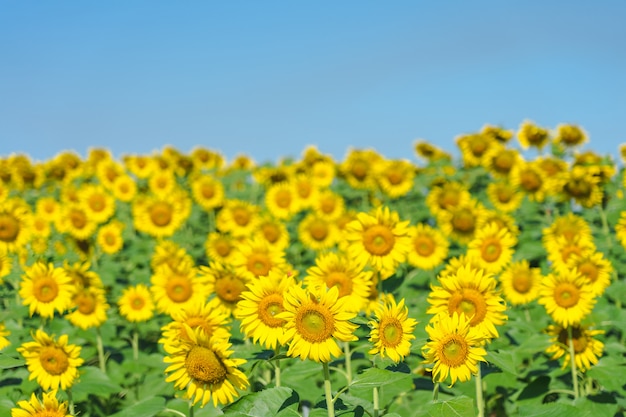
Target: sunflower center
[530, 181]
[229, 288]
[449, 198]
[341, 281]
[53, 360]
[378, 240]
[96, 202]
[110, 239]
[283, 198]
[314, 323]
[86, 303]
[318, 229]
[269, 307]
[469, 302]
[178, 289]
[204, 366]
[394, 177]
[78, 219]
[270, 233]
[222, 247]
[259, 264]
[566, 294]
[391, 332]
[570, 250]
[464, 221]
[241, 216]
[491, 249]
[504, 195]
[478, 146]
[522, 282]
[424, 245]
[328, 205]
[580, 339]
[45, 289]
[589, 270]
[504, 162]
[208, 190]
[9, 227]
[304, 189]
[454, 351]
[578, 188]
[161, 213]
[138, 303]
[359, 169]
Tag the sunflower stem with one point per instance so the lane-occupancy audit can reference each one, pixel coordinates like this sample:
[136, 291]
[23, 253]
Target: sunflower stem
[70, 401]
[436, 392]
[375, 395]
[100, 348]
[348, 355]
[277, 368]
[330, 406]
[191, 409]
[480, 403]
[572, 361]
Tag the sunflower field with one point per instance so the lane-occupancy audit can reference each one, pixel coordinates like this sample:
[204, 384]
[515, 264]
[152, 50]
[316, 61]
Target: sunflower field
[182, 284]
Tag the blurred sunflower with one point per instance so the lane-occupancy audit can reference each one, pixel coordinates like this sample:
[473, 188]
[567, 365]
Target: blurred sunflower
[594, 267]
[571, 226]
[98, 203]
[224, 283]
[256, 258]
[323, 173]
[447, 196]
[220, 247]
[429, 247]
[207, 191]
[162, 182]
[53, 363]
[474, 148]
[580, 184]
[429, 151]
[203, 366]
[570, 135]
[4, 332]
[359, 168]
[273, 231]
[329, 205]
[396, 177]
[620, 228]
[587, 349]
[135, 303]
[561, 249]
[461, 222]
[567, 297]
[170, 254]
[531, 135]
[6, 264]
[281, 200]
[48, 208]
[306, 191]
[238, 217]
[177, 289]
[124, 188]
[454, 347]
[315, 322]
[520, 282]
[206, 159]
[392, 330]
[91, 308]
[109, 237]
[48, 406]
[45, 288]
[75, 221]
[504, 196]
[318, 233]
[161, 216]
[530, 179]
[500, 160]
[82, 276]
[15, 224]
[492, 248]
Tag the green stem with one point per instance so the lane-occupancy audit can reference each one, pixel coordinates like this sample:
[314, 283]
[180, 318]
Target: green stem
[191, 409]
[436, 392]
[330, 406]
[348, 361]
[480, 403]
[135, 343]
[100, 347]
[572, 361]
[375, 394]
[70, 401]
[277, 370]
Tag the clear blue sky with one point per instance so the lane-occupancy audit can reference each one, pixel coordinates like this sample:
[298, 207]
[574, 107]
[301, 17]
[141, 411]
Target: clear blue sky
[268, 78]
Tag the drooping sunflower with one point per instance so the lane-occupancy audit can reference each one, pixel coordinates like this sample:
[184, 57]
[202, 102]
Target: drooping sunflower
[396, 177]
[238, 217]
[204, 368]
[318, 233]
[256, 258]
[392, 331]
[529, 134]
[48, 406]
[4, 332]
[429, 247]
[499, 134]
[135, 303]
[52, 362]
[350, 278]
[520, 282]
[91, 308]
[224, 283]
[472, 292]
[161, 215]
[259, 306]
[315, 322]
[491, 248]
[429, 151]
[504, 196]
[567, 297]
[379, 239]
[454, 347]
[45, 288]
[15, 224]
[109, 237]
[176, 289]
[207, 190]
[220, 247]
[587, 349]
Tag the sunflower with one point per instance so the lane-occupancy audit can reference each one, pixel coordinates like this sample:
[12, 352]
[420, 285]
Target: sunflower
[306, 192]
[379, 239]
[273, 231]
[82, 276]
[15, 224]
[108, 171]
[359, 168]
[446, 196]
[497, 133]
[109, 237]
[346, 274]
[141, 166]
[620, 228]
[329, 205]
[396, 177]
[318, 233]
[124, 188]
[570, 135]
[529, 134]
[504, 196]
[530, 179]
[238, 217]
[551, 166]
[176, 289]
[162, 182]
[4, 332]
[99, 204]
[51, 362]
[161, 216]
[207, 191]
[491, 248]
[567, 297]
[315, 322]
[211, 317]
[242, 162]
[224, 283]
[580, 184]
[429, 247]
[560, 250]
[6, 264]
[220, 247]
[570, 226]
[48, 406]
[392, 331]
[203, 367]
[75, 221]
[135, 304]
[520, 283]
[594, 267]
[48, 208]
[206, 158]
[91, 308]
[454, 347]
[473, 292]
[474, 148]
[429, 151]
[169, 254]
[281, 200]
[256, 258]
[460, 223]
[323, 173]
[259, 306]
[587, 349]
[45, 288]
[500, 160]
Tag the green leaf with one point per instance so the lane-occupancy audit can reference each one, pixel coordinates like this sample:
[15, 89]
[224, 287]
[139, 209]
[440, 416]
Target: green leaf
[374, 377]
[8, 362]
[504, 359]
[457, 407]
[144, 408]
[605, 372]
[552, 410]
[277, 401]
[93, 381]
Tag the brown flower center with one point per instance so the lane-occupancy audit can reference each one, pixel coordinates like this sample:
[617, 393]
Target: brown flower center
[454, 350]
[491, 249]
[469, 302]
[86, 302]
[204, 366]
[179, 289]
[391, 332]
[259, 264]
[229, 288]
[53, 360]
[378, 240]
[566, 294]
[9, 228]
[340, 280]
[45, 289]
[314, 323]
[269, 307]
[424, 245]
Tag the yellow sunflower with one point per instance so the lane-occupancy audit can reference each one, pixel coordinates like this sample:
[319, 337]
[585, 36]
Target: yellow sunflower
[520, 282]
[206, 159]
[500, 160]
[220, 247]
[580, 184]
[48, 406]
[162, 182]
[177, 289]
[141, 166]
[124, 188]
[6, 264]
[529, 134]
[429, 247]
[530, 179]
[281, 200]
[135, 304]
[379, 239]
[203, 366]
[91, 308]
[75, 221]
[571, 226]
[99, 204]
[169, 254]
[429, 151]
[561, 249]
[48, 208]
[238, 217]
[359, 168]
[315, 322]
[208, 191]
[392, 331]
[474, 148]
[567, 297]
[587, 349]
[570, 135]
[329, 205]
[224, 283]
[346, 274]
[82, 276]
[504, 196]
[396, 177]
[306, 191]
[15, 224]
[323, 173]
[454, 347]
[256, 258]
[446, 196]
[45, 288]
[318, 233]
[161, 216]
[492, 248]
[273, 231]
[259, 306]
[4, 332]
[460, 223]
[109, 237]
[497, 133]
[472, 292]
[52, 362]
[595, 268]
[620, 228]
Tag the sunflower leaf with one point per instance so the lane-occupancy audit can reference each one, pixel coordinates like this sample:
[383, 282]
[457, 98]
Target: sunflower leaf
[374, 377]
[145, 408]
[461, 406]
[277, 401]
[8, 362]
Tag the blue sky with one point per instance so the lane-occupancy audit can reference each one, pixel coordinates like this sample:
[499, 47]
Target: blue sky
[269, 78]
